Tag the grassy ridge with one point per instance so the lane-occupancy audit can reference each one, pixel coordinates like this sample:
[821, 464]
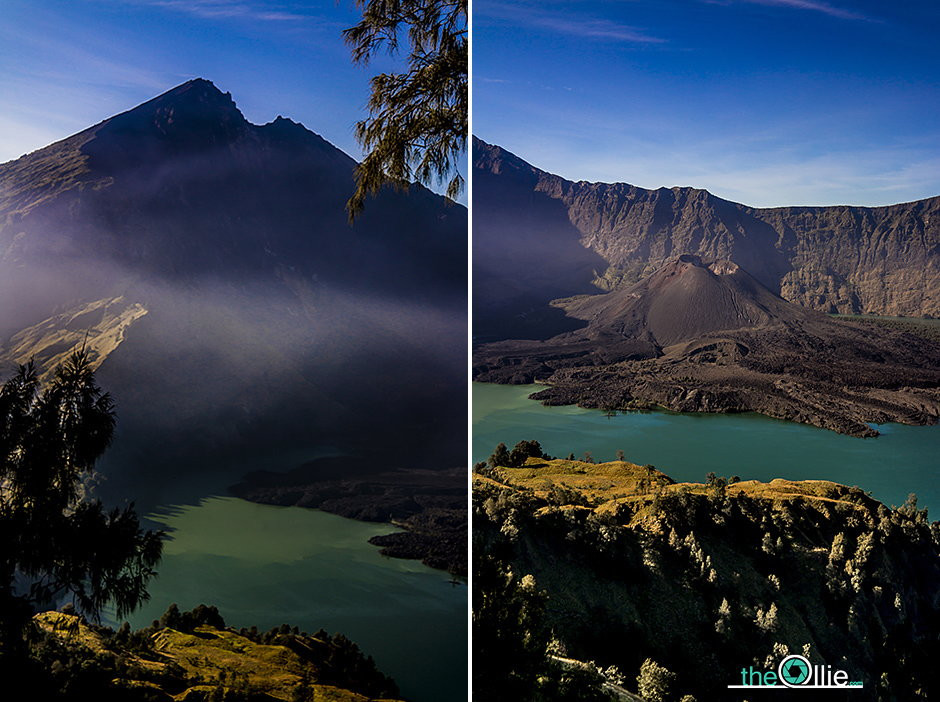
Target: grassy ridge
[193, 656]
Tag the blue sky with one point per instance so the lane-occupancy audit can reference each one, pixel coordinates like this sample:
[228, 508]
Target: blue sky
[68, 64]
[766, 102]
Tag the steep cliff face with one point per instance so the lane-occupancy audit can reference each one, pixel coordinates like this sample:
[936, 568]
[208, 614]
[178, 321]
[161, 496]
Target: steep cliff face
[877, 260]
[526, 251]
[883, 260]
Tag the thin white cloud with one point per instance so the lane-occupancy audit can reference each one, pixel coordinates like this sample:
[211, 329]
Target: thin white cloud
[811, 5]
[63, 86]
[571, 25]
[75, 59]
[229, 9]
[595, 29]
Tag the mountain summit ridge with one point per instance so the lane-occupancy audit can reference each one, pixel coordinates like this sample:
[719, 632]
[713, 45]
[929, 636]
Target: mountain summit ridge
[195, 116]
[497, 159]
[873, 260]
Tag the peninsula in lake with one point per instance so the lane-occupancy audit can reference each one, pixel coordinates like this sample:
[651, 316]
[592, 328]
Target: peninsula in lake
[703, 305]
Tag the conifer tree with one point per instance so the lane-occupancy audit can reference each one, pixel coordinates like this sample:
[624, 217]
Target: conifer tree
[417, 123]
[55, 543]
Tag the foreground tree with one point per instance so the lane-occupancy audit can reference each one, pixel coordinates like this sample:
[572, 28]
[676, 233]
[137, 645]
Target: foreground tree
[511, 640]
[55, 543]
[654, 683]
[417, 124]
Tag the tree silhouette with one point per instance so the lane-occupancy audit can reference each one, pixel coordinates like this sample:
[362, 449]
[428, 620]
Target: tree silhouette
[56, 543]
[523, 451]
[499, 457]
[417, 123]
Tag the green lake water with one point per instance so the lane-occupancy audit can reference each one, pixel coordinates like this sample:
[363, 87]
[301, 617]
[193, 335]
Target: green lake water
[902, 460]
[263, 565]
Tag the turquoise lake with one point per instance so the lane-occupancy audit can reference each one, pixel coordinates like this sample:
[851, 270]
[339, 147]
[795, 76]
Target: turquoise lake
[902, 460]
[263, 566]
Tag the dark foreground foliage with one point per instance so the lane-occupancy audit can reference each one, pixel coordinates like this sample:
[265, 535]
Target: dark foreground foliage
[514, 655]
[417, 124]
[55, 543]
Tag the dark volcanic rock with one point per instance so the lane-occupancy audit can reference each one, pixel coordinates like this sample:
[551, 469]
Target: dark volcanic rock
[699, 337]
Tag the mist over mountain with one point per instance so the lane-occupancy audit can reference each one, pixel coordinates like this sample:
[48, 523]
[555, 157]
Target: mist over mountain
[538, 236]
[208, 265]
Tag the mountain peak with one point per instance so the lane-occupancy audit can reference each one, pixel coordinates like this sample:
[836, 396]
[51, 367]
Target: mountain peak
[687, 298]
[719, 266]
[497, 160]
[199, 91]
[195, 102]
[200, 83]
[188, 118]
[285, 124]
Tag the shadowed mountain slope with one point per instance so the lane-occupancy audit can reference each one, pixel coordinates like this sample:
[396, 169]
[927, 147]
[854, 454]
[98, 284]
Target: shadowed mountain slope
[236, 315]
[184, 188]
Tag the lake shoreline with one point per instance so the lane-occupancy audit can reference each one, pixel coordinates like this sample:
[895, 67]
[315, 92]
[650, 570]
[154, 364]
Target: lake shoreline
[430, 506]
[688, 445]
[265, 566]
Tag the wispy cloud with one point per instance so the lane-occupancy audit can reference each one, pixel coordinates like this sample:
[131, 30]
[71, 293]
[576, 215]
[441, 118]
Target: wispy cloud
[811, 5]
[230, 9]
[94, 64]
[568, 24]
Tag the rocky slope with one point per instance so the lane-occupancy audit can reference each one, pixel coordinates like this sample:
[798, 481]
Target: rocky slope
[708, 337]
[873, 260]
[98, 326]
[680, 586]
